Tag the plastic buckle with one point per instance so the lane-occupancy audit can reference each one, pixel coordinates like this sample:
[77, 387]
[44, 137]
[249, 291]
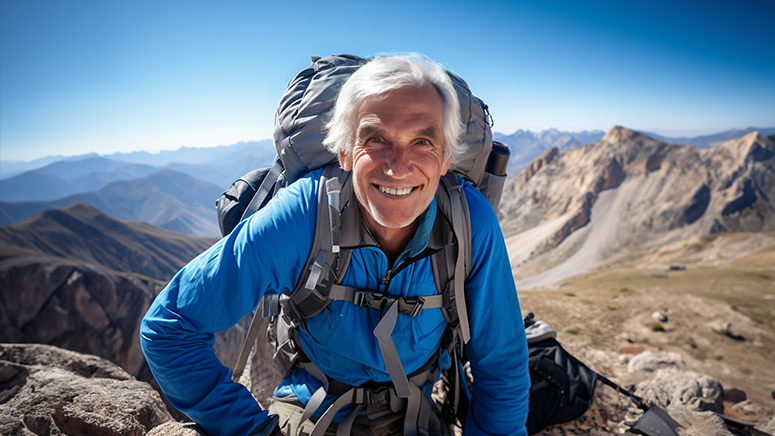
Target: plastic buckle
[371, 300]
[418, 302]
[380, 395]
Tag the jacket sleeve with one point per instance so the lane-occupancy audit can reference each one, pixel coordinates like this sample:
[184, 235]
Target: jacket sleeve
[498, 348]
[212, 293]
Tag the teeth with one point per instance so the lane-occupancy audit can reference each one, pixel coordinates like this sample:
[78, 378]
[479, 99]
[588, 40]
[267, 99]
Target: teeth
[394, 191]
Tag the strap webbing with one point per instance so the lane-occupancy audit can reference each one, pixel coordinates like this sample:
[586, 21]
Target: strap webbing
[383, 333]
[345, 427]
[266, 186]
[320, 394]
[460, 221]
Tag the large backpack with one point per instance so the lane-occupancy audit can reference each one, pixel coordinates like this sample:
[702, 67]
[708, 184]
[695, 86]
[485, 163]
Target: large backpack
[298, 139]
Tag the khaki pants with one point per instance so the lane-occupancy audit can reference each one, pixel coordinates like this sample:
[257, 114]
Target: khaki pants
[290, 411]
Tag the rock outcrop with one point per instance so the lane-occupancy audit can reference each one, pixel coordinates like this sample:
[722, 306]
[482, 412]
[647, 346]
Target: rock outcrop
[76, 306]
[659, 193]
[46, 390]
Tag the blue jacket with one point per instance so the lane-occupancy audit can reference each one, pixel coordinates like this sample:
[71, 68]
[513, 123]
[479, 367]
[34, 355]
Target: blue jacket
[265, 255]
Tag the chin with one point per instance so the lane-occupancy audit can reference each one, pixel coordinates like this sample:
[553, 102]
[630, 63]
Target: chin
[394, 223]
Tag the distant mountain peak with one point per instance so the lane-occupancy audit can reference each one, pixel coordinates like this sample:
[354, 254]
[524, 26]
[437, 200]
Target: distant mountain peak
[619, 134]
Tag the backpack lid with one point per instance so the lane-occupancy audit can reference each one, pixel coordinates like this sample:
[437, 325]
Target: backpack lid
[304, 109]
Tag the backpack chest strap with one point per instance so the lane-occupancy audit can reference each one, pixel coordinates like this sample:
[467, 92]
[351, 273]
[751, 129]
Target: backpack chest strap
[410, 306]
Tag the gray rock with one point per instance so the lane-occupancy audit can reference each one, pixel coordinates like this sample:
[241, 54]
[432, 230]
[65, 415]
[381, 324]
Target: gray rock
[697, 423]
[172, 428]
[651, 361]
[768, 427]
[673, 387]
[47, 390]
[659, 316]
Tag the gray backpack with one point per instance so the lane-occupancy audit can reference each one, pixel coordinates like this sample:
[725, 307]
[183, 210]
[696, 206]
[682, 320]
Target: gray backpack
[298, 139]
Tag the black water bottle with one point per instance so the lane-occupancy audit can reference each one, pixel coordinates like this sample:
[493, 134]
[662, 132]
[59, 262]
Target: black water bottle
[498, 160]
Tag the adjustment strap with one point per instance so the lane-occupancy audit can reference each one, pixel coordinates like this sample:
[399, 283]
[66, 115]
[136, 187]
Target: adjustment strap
[383, 333]
[345, 427]
[354, 395]
[320, 394]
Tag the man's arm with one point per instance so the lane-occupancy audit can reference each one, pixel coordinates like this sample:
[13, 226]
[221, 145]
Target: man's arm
[263, 255]
[498, 349]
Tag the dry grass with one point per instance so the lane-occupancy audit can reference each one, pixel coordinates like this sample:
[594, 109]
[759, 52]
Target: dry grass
[612, 306]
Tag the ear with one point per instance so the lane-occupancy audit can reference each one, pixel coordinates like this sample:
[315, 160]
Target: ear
[445, 165]
[345, 161]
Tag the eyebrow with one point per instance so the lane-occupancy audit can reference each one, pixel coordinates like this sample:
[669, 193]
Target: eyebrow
[430, 132]
[370, 129]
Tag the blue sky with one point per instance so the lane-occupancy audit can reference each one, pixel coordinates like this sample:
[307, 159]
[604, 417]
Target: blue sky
[105, 76]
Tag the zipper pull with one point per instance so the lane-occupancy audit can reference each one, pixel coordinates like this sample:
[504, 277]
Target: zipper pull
[386, 279]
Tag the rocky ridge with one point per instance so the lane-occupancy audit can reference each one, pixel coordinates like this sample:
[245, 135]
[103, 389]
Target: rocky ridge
[659, 192]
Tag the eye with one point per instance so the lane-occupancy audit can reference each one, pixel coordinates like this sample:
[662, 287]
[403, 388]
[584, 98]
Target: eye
[424, 142]
[376, 139]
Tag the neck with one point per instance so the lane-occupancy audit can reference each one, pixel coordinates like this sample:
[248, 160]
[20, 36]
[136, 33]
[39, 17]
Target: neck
[391, 241]
[394, 241]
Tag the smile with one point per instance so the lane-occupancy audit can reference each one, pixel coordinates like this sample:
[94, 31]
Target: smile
[395, 191]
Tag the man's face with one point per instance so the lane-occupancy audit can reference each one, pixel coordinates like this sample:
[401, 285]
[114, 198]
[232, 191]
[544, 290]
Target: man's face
[398, 156]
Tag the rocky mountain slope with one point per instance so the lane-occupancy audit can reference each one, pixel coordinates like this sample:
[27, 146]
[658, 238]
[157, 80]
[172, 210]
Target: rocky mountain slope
[80, 280]
[629, 193]
[74, 305]
[82, 232]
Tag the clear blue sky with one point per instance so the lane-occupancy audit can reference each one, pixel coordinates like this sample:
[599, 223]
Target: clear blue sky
[111, 75]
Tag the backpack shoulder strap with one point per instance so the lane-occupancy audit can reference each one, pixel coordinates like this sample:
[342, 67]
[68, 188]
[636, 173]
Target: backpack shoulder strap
[452, 202]
[306, 299]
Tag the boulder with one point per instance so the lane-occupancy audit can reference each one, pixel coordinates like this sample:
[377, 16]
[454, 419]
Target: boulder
[671, 387]
[651, 361]
[47, 390]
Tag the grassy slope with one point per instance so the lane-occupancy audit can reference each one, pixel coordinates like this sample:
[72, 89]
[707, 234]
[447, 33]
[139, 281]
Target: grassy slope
[605, 308]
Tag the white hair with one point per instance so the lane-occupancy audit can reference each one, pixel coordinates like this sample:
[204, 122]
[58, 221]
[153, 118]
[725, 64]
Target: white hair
[379, 77]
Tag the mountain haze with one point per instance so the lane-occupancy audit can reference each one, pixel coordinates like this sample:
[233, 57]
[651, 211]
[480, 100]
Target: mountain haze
[631, 193]
[64, 178]
[707, 141]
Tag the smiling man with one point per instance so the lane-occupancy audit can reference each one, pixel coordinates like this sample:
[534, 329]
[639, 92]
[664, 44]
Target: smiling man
[366, 365]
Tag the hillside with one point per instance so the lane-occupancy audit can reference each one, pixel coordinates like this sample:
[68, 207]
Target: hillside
[571, 210]
[81, 232]
[166, 199]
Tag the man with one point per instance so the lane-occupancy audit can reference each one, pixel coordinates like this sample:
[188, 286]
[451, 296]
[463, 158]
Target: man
[395, 128]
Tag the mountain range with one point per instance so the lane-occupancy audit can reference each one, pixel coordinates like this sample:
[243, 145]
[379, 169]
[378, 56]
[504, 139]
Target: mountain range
[81, 232]
[707, 141]
[626, 193]
[165, 198]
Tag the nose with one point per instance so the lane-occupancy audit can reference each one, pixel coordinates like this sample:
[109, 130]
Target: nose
[399, 164]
